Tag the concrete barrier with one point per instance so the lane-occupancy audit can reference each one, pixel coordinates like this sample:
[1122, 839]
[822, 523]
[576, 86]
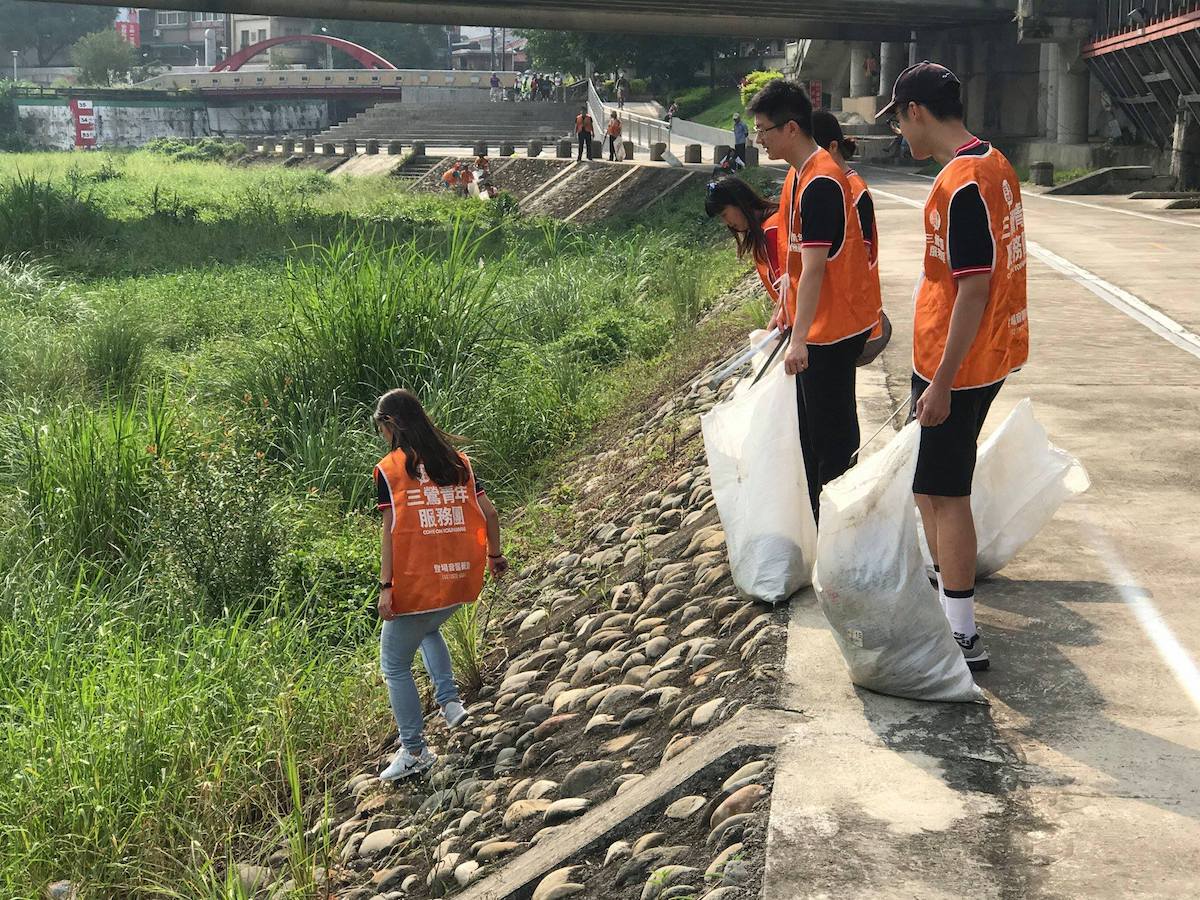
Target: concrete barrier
[751, 155]
[329, 149]
[394, 148]
[480, 148]
[350, 147]
[628, 149]
[656, 151]
[562, 150]
[287, 147]
[268, 145]
[533, 148]
[720, 151]
[692, 153]
[418, 148]
[308, 146]
[597, 149]
[372, 147]
[507, 148]
[1042, 173]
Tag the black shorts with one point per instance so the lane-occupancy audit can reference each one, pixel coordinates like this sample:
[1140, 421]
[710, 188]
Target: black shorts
[946, 461]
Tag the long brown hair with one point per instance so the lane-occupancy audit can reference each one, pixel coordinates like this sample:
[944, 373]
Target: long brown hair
[423, 442]
[732, 191]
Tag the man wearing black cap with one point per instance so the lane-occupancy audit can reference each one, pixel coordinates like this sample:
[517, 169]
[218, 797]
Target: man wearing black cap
[970, 326]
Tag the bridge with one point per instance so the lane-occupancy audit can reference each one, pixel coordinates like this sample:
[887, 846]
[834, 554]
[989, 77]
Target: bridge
[833, 19]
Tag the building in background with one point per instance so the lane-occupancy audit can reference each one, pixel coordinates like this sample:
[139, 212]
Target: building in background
[184, 38]
[492, 51]
[250, 29]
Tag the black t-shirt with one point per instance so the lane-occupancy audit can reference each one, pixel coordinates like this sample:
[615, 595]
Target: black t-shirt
[866, 216]
[822, 215]
[385, 494]
[969, 241]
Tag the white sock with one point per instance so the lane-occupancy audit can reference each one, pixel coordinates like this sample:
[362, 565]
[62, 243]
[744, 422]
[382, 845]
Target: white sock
[937, 573]
[960, 610]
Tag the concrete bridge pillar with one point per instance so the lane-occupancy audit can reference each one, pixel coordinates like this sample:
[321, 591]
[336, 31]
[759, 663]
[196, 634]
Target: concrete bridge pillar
[860, 81]
[893, 59]
[838, 86]
[1074, 88]
[973, 71]
[1048, 92]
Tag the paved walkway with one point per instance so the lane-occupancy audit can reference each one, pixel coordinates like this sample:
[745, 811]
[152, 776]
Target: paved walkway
[1081, 778]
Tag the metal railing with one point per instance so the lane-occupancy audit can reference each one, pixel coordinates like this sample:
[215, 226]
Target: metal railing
[641, 130]
[1116, 16]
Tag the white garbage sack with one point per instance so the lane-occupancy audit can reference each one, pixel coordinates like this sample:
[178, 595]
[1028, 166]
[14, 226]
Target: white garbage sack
[1021, 480]
[757, 468]
[870, 580]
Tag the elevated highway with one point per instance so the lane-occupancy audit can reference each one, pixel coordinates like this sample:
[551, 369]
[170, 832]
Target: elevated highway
[834, 19]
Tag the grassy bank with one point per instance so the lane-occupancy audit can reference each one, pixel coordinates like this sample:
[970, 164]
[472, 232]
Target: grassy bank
[189, 356]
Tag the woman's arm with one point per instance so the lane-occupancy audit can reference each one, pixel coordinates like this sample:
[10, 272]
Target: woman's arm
[497, 564]
[385, 565]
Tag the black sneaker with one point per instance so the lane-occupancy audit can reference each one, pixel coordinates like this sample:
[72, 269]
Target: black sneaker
[973, 651]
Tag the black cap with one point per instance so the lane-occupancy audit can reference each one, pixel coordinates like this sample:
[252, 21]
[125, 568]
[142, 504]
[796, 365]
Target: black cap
[921, 83]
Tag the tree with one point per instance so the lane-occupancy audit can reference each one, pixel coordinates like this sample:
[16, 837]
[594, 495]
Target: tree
[404, 46]
[674, 60]
[48, 28]
[103, 57]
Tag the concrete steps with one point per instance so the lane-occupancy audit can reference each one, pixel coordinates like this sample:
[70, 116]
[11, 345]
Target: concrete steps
[457, 123]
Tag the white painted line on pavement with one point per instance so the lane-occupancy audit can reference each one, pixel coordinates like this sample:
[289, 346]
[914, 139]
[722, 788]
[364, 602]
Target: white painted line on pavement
[1158, 322]
[1168, 220]
[1118, 298]
[1173, 653]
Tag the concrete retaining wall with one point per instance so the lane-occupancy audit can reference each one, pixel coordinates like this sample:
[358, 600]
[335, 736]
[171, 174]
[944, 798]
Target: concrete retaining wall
[131, 123]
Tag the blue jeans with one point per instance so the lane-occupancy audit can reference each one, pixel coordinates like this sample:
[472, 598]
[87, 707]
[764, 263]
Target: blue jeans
[398, 644]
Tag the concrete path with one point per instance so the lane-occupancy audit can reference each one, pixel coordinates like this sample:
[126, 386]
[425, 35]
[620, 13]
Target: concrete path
[1081, 777]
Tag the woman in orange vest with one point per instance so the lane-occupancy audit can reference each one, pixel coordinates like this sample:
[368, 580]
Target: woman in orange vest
[440, 532]
[450, 178]
[614, 133]
[827, 132]
[585, 128]
[754, 223]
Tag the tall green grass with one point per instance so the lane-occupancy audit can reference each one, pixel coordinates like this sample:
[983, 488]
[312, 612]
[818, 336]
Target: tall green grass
[188, 546]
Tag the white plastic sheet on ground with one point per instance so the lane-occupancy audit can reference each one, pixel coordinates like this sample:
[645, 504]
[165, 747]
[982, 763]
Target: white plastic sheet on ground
[757, 468]
[870, 580]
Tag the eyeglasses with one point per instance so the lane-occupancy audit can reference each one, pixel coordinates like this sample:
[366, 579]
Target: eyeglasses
[759, 132]
[893, 123]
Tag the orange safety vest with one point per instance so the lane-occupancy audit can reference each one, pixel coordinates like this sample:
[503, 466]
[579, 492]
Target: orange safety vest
[858, 189]
[769, 270]
[439, 539]
[846, 305]
[1001, 345]
[614, 127]
[450, 176]
[583, 123]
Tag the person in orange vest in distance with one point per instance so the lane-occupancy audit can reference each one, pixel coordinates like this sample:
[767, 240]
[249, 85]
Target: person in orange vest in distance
[440, 533]
[585, 128]
[614, 135]
[827, 132]
[451, 177]
[970, 323]
[754, 223]
[826, 298]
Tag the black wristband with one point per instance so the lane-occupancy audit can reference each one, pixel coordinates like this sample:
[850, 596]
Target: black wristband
[383, 585]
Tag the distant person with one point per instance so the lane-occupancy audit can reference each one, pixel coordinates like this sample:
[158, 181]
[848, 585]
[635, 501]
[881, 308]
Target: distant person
[558, 87]
[452, 177]
[614, 135]
[585, 129]
[970, 325]
[672, 111]
[827, 301]
[440, 533]
[495, 93]
[622, 90]
[755, 224]
[534, 84]
[741, 134]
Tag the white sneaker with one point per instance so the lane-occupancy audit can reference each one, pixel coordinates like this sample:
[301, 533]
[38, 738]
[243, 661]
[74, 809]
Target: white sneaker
[406, 764]
[455, 713]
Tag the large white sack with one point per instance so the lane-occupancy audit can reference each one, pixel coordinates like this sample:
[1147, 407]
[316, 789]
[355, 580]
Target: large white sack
[870, 580]
[757, 468]
[1021, 480]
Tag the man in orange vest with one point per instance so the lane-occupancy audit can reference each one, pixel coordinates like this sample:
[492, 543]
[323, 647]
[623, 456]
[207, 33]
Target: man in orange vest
[970, 325]
[585, 128]
[827, 300]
